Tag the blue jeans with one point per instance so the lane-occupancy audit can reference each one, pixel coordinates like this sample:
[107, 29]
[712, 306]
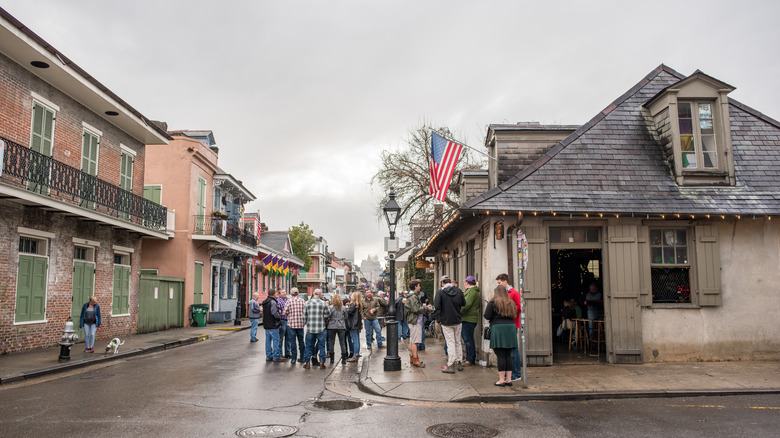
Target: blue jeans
[272, 351]
[517, 363]
[296, 336]
[283, 339]
[467, 333]
[89, 334]
[371, 326]
[421, 345]
[403, 330]
[310, 339]
[355, 335]
[593, 314]
[253, 329]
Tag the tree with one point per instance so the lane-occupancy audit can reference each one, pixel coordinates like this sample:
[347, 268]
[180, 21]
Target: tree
[406, 171]
[302, 240]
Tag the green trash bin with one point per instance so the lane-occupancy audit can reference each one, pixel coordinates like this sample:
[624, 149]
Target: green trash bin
[199, 312]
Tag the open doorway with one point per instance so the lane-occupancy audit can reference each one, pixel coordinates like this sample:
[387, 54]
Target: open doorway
[571, 272]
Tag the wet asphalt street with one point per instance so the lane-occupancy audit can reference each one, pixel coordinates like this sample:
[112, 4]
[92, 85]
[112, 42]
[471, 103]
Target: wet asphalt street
[217, 387]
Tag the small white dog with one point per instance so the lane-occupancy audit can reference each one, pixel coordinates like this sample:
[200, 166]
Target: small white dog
[115, 343]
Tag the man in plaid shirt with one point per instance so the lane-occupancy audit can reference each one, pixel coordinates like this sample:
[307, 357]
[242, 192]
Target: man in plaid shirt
[293, 310]
[314, 313]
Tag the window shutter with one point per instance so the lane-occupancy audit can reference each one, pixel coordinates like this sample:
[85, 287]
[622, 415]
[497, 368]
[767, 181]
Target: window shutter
[536, 296]
[708, 266]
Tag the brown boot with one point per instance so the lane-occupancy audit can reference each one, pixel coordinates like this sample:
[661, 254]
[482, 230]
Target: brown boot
[306, 365]
[415, 360]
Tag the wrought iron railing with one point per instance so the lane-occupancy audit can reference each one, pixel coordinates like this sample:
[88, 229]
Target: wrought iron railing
[227, 228]
[31, 170]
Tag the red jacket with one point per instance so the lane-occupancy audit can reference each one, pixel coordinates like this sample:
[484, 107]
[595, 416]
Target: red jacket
[516, 296]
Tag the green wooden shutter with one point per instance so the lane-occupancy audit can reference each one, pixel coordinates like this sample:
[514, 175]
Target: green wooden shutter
[201, 207]
[125, 289]
[121, 295]
[89, 164]
[31, 289]
[198, 283]
[126, 172]
[153, 193]
[708, 266]
[42, 129]
[116, 296]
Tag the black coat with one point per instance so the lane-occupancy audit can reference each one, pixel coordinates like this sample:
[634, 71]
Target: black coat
[271, 318]
[354, 321]
[448, 302]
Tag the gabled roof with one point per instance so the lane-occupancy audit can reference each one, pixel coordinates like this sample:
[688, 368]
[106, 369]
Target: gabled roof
[278, 242]
[612, 165]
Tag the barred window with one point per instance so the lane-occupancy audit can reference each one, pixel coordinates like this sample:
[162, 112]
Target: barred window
[670, 269]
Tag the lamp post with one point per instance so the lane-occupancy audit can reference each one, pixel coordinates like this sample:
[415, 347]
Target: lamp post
[392, 213]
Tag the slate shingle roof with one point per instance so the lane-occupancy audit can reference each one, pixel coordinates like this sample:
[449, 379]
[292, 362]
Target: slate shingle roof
[276, 240]
[612, 165]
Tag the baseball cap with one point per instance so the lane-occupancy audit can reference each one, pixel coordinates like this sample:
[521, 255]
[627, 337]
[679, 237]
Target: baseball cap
[444, 278]
[471, 279]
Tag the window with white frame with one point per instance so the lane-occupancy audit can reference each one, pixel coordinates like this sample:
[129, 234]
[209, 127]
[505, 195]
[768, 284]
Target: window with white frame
[670, 268]
[697, 135]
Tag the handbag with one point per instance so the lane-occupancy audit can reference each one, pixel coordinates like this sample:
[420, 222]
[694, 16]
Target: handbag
[486, 333]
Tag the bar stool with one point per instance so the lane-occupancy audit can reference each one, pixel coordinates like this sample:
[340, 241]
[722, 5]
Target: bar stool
[598, 337]
[581, 334]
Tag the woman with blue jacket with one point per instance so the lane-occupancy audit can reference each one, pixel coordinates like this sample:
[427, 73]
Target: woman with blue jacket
[90, 321]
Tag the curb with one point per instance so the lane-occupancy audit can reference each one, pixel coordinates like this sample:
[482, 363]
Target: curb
[365, 385]
[69, 366]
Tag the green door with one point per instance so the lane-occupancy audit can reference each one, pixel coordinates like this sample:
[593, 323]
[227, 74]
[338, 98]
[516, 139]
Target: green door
[83, 288]
[121, 296]
[31, 289]
[89, 166]
[42, 137]
[198, 298]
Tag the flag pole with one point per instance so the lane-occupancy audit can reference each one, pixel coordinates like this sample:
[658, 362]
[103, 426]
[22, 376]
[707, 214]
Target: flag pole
[462, 144]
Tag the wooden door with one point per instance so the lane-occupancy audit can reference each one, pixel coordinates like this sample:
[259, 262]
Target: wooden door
[623, 314]
[538, 323]
[31, 289]
[83, 288]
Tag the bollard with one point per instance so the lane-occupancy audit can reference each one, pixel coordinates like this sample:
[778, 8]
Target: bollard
[69, 337]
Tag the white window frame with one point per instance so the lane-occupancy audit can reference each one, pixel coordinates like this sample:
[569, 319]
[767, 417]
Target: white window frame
[697, 135]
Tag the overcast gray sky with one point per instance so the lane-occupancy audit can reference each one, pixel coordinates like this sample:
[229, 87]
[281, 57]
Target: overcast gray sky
[303, 96]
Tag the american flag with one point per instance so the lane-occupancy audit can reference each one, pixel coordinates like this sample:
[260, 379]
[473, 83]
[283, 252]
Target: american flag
[444, 157]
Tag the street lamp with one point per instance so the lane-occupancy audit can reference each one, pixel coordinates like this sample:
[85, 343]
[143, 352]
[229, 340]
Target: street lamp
[392, 214]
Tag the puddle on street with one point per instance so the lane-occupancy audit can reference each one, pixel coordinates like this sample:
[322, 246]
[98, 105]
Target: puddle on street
[338, 405]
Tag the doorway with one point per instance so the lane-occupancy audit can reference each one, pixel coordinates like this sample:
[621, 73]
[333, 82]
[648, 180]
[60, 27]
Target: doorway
[571, 272]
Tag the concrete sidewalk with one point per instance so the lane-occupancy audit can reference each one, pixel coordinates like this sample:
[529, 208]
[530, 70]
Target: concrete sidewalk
[563, 382]
[20, 366]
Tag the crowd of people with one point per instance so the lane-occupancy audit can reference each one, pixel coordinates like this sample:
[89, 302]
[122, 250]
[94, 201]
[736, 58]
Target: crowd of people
[306, 331]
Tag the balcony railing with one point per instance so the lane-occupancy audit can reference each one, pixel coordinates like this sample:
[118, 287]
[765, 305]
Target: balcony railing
[311, 277]
[226, 228]
[27, 169]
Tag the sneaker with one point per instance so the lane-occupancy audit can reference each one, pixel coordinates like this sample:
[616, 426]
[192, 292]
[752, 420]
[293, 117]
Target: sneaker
[458, 366]
[268, 359]
[448, 370]
[352, 359]
[381, 347]
[91, 349]
[86, 350]
[253, 340]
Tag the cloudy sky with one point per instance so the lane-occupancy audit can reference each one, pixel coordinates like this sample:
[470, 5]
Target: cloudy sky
[303, 96]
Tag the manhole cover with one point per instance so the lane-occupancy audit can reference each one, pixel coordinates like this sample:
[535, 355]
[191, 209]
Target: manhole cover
[268, 430]
[462, 430]
[338, 405]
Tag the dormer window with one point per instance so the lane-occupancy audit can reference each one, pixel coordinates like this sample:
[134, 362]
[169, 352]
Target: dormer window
[698, 146]
[690, 122]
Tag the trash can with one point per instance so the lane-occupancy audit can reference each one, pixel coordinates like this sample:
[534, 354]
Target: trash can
[199, 312]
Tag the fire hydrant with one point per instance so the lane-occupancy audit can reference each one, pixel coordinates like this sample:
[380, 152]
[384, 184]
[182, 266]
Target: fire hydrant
[69, 337]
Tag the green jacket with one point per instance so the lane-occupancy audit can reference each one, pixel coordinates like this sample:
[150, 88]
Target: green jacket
[374, 303]
[413, 307]
[470, 311]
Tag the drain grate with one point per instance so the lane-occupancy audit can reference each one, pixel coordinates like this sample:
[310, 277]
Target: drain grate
[338, 405]
[462, 430]
[268, 430]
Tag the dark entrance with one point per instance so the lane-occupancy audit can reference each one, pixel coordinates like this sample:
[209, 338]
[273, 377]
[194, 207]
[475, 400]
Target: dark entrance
[571, 272]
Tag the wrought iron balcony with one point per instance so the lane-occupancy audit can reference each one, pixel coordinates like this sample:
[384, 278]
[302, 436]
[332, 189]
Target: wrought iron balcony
[27, 169]
[225, 228]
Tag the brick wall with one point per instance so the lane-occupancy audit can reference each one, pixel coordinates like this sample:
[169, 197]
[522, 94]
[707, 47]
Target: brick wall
[60, 276]
[16, 105]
